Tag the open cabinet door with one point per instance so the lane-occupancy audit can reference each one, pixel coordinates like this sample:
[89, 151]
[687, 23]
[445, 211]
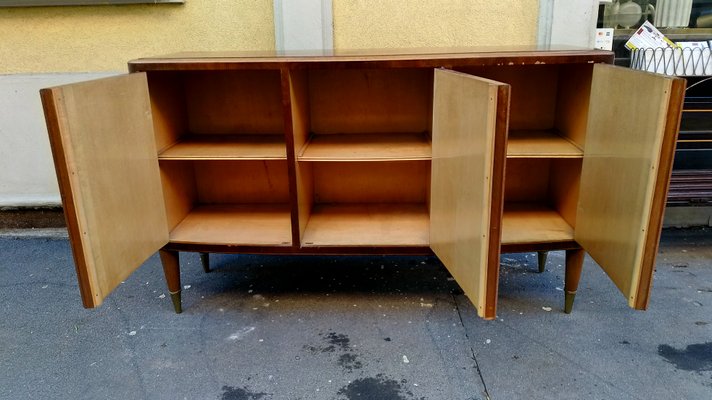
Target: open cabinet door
[633, 122]
[470, 117]
[101, 134]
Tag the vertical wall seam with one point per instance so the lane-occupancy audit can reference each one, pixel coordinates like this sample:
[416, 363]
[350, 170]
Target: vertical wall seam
[546, 21]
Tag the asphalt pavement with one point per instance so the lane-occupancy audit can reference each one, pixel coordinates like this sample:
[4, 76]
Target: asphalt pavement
[346, 328]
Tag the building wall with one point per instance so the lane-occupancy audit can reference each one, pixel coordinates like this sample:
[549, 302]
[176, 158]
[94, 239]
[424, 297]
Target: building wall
[103, 38]
[46, 46]
[434, 23]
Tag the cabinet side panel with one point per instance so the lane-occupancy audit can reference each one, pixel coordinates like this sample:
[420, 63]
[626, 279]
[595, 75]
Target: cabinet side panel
[573, 98]
[667, 154]
[624, 138]
[167, 107]
[464, 126]
[179, 191]
[109, 153]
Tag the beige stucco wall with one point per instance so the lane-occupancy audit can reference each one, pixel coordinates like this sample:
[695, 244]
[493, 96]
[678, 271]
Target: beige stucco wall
[103, 38]
[410, 23]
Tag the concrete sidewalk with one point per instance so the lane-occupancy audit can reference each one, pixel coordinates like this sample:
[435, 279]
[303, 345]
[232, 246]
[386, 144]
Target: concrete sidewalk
[352, 328]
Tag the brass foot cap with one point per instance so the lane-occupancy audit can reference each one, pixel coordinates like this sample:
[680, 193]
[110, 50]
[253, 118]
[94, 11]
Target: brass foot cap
[177, 302]
[569, 302]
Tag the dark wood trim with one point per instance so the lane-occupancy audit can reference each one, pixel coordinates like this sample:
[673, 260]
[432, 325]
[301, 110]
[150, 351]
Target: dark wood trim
[662, 184]
[531, 247]
[291, 156]
[499, 158]
[52, 113]
[434, 59]
[287, 250]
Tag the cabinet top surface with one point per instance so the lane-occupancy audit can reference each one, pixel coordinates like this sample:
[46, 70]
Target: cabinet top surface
[418, 57]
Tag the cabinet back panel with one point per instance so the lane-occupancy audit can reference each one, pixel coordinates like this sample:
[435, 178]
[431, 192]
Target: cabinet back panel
[527, 179]
[179, 195]
[371, 182]
[226, 182]
[564, 187]
[370, 101]
[574, 91]
[234, 102]
[533, 92]
[167, 107]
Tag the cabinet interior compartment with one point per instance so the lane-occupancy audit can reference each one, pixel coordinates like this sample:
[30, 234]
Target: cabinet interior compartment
[227, 202]
[362, 149]
[540, 200]
[548, 109]
[366, 114]
[218, 115]
[365, 203]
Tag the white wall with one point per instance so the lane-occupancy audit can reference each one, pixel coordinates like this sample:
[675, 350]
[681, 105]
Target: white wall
[303, 25]
[568, 22]
[27, 175]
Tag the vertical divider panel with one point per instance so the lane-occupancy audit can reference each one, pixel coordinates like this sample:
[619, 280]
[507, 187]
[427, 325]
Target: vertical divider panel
[295, 92]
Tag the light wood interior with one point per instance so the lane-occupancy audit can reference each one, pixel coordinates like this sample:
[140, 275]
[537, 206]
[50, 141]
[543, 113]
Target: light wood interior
[244, 224]
[367, 147]
[574, 93]
[188, 105]
[101, 136]
[362, 144]
[298, 86]
[373, 191]
[370, 225]
[464, 127]
[210, 190]
[545, 189]
[528, 223]
[533, 93]
[628, 113]
[545, 98]
[234, 102]
[170, 119]
[227, 147]
[541, 144]
[371, 182]
[396, 100]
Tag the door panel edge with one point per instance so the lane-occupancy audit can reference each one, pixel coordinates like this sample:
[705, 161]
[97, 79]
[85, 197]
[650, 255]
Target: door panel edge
[667, 154]
[497, 199]
[49, 99]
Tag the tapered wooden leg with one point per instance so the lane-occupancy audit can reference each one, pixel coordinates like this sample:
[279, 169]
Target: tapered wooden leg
[205, 260]
[171, 269]
[574, 265]
[541, 255]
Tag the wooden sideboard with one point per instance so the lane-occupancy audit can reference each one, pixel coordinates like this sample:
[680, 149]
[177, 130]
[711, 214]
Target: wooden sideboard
[463, 154]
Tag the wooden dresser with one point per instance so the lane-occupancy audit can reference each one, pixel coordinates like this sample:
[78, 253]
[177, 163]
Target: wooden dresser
[464, 154]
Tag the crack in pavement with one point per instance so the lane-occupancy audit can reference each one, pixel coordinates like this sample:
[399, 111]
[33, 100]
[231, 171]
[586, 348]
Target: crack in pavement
[472, 349]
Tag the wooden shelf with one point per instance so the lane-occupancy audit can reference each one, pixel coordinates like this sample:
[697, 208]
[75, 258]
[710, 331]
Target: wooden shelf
[247, 225]
[367, 147]
[533, 223]
[368, 225]
[540, 144]
[227, 147]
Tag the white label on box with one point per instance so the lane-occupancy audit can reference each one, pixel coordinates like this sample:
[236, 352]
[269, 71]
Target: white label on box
[604, 39]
